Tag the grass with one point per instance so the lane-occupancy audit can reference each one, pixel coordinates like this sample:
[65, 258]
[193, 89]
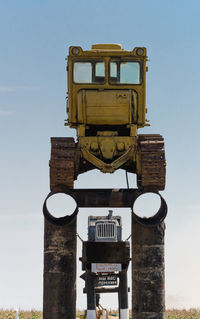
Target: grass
[183, 314]
[170, 314]
[11, 314]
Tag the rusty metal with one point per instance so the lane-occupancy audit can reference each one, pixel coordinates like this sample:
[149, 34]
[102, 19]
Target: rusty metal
[97, 197]
[62, 161]
[152, 161]
[100, 252]
[148, 294]
[105, 198]
[57, 220]
[66, 164]
[60, 253]
[59, 300]
[158, 217]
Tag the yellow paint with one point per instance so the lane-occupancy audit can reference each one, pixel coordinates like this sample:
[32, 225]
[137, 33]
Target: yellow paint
[105, 112]
[106, 46]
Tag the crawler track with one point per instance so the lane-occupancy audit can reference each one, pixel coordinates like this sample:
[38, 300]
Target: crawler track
[151, 158]
[152, 161]
[62, 161]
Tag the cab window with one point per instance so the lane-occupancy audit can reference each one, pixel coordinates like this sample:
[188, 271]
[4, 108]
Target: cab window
[125, 72]
[89, 72]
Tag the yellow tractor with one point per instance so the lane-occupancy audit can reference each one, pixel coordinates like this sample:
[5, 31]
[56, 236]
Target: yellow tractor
[106, 105]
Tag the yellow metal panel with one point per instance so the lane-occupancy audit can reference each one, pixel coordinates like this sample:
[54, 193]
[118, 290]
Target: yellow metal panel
[107, 46]
[80, 107]
[111, 107]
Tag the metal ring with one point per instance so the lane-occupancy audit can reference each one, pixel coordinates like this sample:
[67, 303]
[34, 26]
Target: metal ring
[158, 217]
[59, 220]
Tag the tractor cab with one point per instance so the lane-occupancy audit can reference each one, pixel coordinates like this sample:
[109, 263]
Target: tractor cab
[106, 89]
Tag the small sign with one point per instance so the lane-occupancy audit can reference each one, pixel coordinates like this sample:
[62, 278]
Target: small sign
[102, 268]
[107, 280]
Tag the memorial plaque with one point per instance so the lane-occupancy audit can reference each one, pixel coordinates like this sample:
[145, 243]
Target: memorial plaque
[102, 268]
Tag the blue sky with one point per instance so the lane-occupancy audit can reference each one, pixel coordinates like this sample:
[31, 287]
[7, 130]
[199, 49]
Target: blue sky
[35, 36]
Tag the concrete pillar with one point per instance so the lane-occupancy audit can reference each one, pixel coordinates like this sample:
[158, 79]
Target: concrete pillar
[59, 297]
[148, 282]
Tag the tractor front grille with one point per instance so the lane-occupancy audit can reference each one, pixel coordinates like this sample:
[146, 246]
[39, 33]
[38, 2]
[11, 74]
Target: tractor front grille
[105, 231]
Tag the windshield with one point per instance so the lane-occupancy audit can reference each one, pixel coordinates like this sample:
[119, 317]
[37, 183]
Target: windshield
[89, 72]
[125, 72]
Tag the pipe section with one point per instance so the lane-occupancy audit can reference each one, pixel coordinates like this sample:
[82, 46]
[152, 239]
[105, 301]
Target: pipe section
[60, 220]
[148, 294]
[156, 218]
[59, 299]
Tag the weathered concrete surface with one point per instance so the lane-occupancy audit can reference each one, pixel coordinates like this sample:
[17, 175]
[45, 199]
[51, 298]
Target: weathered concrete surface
[59, 298]
[148, 278]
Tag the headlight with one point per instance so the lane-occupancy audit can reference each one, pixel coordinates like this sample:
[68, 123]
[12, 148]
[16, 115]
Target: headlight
[75, 51]
[140, 51]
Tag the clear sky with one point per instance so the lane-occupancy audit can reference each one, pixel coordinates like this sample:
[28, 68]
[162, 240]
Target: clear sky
[35, 36]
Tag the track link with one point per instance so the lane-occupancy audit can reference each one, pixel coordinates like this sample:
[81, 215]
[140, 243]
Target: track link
[152, 161]
[62, 161]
